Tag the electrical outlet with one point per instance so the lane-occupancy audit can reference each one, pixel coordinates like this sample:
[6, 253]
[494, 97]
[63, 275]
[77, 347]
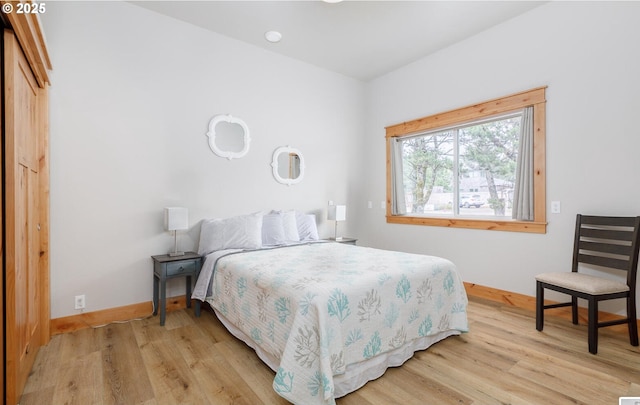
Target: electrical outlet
[79, 302]
[555, 207]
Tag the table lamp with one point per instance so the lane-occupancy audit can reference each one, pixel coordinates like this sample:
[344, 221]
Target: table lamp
[175, 219]
[337, 213]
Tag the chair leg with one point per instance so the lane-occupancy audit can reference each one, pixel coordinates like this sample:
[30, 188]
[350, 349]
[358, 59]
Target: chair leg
[593, 326]
[539, 306]
[574, 310]
[633, 322]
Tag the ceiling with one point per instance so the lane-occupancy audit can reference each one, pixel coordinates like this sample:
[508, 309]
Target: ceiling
[359, 39]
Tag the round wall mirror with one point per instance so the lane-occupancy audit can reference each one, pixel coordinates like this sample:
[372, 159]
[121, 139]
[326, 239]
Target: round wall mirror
[287, 165]
[228, 136]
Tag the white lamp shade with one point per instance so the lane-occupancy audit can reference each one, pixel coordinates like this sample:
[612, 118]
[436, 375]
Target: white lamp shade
[176, 218]
[337, 213]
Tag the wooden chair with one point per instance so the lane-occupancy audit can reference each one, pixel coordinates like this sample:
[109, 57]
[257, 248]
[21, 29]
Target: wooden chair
[605, 242]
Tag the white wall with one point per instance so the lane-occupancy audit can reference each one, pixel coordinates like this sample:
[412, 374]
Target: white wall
[133, 92]
[131, 98]
[586, 53]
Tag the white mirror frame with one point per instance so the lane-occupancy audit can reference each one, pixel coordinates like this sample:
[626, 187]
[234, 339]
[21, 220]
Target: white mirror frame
[212, 136]
[274, 165]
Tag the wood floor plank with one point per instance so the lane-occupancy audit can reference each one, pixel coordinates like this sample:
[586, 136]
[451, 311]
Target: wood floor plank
[253, 371]
[79, 381]
[212, 327]
[634, 390]
[170, 376]
[356, 398]
[418, 389]
[502, 360]
[221, 382]
[425, 366]
[497, 384]
[217, 378]
[556, 375]
[149, 329]
[383, 391]
[616, 364]
[123, 367]
[44, 373]
[80, 343]
[177, 320]
[40, 396]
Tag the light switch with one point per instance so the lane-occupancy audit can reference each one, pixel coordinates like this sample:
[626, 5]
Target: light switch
[369, 204]
[555, 207]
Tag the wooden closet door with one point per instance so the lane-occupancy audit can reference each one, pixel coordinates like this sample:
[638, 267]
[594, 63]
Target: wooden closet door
[2, 394]
[23, 276]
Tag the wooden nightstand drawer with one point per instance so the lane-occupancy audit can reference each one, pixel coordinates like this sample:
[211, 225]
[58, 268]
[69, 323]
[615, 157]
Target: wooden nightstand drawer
[180, 268]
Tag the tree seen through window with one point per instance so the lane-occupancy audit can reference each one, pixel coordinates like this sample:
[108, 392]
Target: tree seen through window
[466, 171]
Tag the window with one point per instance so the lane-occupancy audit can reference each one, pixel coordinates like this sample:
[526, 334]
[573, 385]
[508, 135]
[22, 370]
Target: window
[471, 167]
[467, 170]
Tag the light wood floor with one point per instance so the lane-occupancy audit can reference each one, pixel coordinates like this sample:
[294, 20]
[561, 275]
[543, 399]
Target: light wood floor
[502, 360]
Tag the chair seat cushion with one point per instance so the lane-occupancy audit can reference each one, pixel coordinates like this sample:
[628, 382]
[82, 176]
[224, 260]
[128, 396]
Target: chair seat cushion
[583, 282]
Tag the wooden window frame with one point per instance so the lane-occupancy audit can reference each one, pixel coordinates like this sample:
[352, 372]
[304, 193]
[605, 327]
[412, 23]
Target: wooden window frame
[532, 98]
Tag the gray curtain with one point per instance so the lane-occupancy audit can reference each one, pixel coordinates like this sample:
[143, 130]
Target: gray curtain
[398, 205]
[523, 190]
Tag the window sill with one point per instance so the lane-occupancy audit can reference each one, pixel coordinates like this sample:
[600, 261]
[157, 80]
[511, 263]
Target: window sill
[485, 224]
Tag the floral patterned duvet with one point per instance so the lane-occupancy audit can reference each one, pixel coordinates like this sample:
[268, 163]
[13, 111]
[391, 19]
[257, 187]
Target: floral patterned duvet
[320, 307]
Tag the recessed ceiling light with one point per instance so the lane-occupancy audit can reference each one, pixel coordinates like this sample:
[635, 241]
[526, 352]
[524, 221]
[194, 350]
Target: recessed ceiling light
[332, 1]
[273, 36]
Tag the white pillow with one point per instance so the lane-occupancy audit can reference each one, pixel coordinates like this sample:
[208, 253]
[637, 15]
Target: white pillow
[241, 232]
[307, 228]
[210, 240]
[273, 230]
[290, 225]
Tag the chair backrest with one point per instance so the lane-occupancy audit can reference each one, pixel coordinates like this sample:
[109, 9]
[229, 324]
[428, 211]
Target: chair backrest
[611, 242]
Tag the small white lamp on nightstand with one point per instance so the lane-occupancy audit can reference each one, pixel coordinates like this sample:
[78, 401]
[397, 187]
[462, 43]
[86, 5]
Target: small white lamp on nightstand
[175, 219]
[337, 213]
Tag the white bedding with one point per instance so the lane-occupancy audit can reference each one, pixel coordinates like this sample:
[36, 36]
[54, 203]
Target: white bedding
[328, 317]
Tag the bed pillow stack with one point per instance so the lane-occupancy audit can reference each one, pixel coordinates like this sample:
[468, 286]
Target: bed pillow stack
[240, 232]
[287, 227]
[273, 230]
[256, 230]
[307, 227]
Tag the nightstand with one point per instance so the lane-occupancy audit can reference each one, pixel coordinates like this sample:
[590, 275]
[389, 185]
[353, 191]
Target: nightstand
[166, 267]
[346, 241]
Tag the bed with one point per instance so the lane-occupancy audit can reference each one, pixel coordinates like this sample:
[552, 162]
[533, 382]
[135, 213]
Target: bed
[326, 317]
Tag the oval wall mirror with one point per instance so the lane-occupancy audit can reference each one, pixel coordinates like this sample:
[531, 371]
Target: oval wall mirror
[228, 136]
[287, 165]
